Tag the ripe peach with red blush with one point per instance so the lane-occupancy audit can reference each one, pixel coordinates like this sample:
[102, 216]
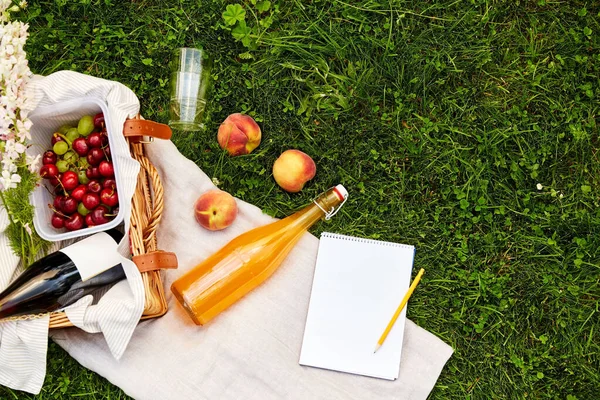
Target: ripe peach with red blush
[239, 134]
[293, 169]
[215, 210]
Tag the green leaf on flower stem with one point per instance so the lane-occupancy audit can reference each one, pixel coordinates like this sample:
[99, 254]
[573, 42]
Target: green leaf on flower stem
[263, 6]
[234, 13]
[586, 188]
[147, 61]
[20, 211]
[242, 32]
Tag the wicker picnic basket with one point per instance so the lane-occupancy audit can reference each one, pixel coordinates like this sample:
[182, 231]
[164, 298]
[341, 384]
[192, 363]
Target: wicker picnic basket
[146, 212]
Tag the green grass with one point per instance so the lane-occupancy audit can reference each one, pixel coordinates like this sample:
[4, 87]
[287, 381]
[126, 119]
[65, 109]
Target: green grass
[440, 117]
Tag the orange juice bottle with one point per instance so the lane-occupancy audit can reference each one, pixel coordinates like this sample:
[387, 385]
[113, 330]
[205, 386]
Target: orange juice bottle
[248, 260]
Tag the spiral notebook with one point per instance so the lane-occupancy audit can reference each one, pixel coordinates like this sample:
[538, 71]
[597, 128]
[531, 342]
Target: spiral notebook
[357, 286]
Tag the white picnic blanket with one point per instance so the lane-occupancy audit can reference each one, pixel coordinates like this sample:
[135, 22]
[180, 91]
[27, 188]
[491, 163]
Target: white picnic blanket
[250, 351]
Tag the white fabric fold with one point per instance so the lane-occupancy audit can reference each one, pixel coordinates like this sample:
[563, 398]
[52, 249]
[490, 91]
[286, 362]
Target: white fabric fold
[23, 348]
[118, 312]
[251, 350]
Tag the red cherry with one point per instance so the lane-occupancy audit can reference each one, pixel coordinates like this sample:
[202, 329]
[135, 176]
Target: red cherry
[55, 181]
[99, 120]
[49, 157]
[109, 183]
[95, 140]
[109, 197]
[95, 156]
[107, 152]
[48, 171]
[78, 192]
[70, 180]
[90, 200]
[74, 222]
[80, 146]
[57, 221]
[91, 160]
[104, 137]
[59, 191]
[88, 220]
[56, 138]
[106, 169]
[99, 215]
[92, 172]
[69, 205]
[58, 202]
[94, 186]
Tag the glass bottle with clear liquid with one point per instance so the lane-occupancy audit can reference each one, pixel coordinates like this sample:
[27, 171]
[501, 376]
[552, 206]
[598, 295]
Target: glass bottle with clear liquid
[248, 260]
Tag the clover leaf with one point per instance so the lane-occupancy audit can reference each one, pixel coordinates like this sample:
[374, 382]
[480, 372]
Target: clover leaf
[234, 13]
[242, 32]
[263, 6]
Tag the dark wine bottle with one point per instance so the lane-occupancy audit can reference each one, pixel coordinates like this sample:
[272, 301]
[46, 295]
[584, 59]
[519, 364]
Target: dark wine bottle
[63, 277]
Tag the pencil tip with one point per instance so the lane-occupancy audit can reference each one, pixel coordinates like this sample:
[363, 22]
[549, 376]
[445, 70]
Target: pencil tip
[376, 348]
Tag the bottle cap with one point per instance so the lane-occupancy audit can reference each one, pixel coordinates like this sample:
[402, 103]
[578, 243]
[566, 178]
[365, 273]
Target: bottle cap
[341, 192]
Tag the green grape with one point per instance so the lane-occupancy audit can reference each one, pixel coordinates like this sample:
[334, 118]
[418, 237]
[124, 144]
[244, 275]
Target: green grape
[60, 148]
[83, 163]
[86, 125]
[82, 210]
[71, 157]
[64, 129]
[83, 179]
[72, 134]
[62, 166]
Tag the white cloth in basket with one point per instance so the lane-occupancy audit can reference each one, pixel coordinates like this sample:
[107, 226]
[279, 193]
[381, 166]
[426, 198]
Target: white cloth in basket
[250, 351]
[23, 344]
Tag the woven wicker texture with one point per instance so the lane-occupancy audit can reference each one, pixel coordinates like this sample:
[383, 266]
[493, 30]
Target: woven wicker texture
[146, 211]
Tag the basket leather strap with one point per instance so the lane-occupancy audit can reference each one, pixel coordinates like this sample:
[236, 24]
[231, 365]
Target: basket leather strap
[136, 129]
[155, 260]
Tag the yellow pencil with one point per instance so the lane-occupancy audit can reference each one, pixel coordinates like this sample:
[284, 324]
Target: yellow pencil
[389, 326]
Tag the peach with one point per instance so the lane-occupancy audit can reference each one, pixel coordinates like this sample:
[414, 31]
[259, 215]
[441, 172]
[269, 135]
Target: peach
[215, 210]
[293, 169]
[239, 134]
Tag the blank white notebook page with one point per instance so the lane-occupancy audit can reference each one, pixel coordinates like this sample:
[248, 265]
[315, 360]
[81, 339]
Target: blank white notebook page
[357, 286]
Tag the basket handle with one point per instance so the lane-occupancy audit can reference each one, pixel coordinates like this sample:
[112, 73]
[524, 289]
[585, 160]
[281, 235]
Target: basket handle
[155, 260]
[137, 130]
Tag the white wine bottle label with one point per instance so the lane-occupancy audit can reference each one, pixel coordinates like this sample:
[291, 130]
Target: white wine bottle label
[93, 255]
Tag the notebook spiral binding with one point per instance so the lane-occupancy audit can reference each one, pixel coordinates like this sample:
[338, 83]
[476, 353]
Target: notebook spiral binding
[364, 240]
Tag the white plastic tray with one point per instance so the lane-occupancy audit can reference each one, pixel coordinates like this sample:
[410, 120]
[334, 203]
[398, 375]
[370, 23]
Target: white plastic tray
[46, 120]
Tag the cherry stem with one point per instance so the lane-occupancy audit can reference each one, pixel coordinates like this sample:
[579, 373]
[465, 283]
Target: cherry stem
[63, 187]
[57, 212]
[104, 151]
[64, 138]
[45, 187]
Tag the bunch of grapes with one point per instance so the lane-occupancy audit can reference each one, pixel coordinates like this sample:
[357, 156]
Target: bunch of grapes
[80, 169]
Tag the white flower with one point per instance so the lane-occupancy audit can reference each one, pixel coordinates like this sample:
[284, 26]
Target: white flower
[9, 181]
[33, 163]
[14, 101]
[539, 186]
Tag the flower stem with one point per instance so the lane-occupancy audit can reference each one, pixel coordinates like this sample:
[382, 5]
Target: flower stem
[6, 207]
